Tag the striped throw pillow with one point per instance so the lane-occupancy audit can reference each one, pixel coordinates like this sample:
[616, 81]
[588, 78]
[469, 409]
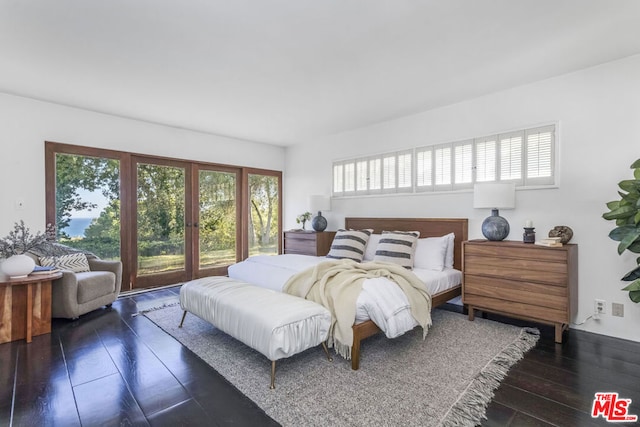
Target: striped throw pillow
[349, 244]
[77, 263]
[397, 247]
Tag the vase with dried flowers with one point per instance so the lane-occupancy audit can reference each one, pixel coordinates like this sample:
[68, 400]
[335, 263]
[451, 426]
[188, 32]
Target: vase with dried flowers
[14, 246]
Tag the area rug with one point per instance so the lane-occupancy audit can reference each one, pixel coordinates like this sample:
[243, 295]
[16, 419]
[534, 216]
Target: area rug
[446, 379]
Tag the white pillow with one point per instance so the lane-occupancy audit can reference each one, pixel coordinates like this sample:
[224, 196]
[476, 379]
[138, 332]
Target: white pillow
[431, 253]
[448, 259]
[372, 245]
[397, 247]
[349, 244]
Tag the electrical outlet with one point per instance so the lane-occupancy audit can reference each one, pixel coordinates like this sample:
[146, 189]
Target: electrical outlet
[600, 306]
[617, 309]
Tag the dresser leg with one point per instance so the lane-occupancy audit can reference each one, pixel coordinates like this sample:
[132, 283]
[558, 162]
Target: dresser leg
[471, 313]
[559, 329]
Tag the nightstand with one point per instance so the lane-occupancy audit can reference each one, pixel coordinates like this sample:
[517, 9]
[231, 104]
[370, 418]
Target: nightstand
[521, 280]
[314, 243]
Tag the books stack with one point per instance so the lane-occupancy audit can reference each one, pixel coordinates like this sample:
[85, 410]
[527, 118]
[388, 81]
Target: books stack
[550, 241]
[40, 270]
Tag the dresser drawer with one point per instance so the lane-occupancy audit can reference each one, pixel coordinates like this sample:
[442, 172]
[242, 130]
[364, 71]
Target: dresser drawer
[298, 235]
[308, 242]
[300, 245]
[517, 269]
[521, 251]
[516, 309]
[527, 293]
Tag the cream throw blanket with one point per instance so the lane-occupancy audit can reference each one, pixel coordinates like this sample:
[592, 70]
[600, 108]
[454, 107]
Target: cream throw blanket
[336, 285]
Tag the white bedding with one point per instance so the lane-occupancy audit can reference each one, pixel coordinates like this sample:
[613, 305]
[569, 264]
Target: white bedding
[381, 300]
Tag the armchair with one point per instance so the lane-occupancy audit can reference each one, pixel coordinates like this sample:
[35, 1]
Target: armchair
[75, 294]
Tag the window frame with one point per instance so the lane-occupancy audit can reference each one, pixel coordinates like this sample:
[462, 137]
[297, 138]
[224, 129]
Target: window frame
[497, 160]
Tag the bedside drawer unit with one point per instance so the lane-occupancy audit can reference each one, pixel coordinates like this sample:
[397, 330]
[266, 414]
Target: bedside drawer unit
[521, 280]
[308, 242]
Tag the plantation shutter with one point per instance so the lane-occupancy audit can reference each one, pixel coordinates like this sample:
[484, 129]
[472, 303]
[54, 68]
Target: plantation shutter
[375, 174]
[424, 169]
[338, 179]
[349, 177]
[511, 157]
[442, 166]
[540, 148]
[389, 173]
[405, 170]
[361, 176]
[463, 164]
[485, 159]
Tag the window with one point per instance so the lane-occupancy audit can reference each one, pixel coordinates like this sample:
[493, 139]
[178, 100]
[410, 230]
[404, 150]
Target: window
[485, 168]
[463, 164]
[443, 166]
[526, 157]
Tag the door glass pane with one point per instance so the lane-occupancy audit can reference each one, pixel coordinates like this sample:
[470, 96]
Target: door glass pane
[160, 220]
[263, 214]
[88, 204]
[217, 219]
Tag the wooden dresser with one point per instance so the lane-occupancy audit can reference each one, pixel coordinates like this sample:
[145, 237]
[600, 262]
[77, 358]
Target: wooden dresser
[308, 242]
[521, 280]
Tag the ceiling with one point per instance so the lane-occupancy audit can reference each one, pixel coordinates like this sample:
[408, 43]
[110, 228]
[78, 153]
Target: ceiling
[285, 71]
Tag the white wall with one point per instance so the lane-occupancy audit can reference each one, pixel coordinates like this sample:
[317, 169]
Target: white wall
[598, 111]
[25, 124]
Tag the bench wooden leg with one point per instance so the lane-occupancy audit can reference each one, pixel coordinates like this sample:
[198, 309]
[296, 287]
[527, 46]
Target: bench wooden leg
[183, 316]
[273, 375]
[326, 351]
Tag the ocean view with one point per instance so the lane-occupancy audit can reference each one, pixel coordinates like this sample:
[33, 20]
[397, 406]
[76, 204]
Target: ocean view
[77, 226]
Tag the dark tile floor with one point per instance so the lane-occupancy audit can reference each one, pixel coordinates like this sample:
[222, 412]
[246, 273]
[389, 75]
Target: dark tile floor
[113, 368]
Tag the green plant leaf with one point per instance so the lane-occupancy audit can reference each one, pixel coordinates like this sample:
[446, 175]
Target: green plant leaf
[636, 164]
[629, 185]
[614, 205]
[621, 212]
[634, 296]
[636, 173]
[619, 233]
[632, 275]
[635, 247]
[628, 240]
[634, 286]
[636, 218]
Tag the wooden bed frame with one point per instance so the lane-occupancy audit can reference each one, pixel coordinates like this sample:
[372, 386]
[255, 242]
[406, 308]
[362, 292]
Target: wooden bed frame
[428, 227]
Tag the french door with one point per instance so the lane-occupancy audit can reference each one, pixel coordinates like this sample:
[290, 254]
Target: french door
[167, 220]
[186, 220]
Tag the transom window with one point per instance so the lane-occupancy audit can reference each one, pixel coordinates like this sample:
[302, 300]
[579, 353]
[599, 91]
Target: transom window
[525, 157]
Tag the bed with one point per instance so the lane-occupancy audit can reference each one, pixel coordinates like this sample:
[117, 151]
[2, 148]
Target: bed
[272, 272]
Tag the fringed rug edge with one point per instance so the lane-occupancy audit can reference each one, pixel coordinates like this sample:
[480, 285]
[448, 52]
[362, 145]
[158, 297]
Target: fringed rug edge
[470, 408]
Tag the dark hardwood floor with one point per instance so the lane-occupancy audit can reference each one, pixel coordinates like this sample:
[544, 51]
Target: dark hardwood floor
[113, 368]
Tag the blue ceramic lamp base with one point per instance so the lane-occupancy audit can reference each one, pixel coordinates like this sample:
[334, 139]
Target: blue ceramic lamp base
[495, 227]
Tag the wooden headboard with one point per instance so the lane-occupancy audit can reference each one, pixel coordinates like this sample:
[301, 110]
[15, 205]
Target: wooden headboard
[428, 227]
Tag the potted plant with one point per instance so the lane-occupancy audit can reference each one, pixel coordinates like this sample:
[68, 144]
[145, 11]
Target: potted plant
[626, 213]
[14, 246]
[303, 218]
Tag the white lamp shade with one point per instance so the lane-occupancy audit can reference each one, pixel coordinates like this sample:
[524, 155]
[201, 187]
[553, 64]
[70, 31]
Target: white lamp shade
[319, 203]
[494, 195]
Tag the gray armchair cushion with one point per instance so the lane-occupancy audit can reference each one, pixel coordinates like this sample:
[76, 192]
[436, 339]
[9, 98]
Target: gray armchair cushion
[95, 284]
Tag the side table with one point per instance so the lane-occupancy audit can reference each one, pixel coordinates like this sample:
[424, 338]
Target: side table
[25, 306]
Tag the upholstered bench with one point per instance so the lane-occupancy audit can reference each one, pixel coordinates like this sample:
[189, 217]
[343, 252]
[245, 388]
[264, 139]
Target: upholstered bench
[275, 324]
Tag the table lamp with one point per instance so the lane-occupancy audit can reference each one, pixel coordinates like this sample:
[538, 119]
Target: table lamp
[318, 203]
[494, 196]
